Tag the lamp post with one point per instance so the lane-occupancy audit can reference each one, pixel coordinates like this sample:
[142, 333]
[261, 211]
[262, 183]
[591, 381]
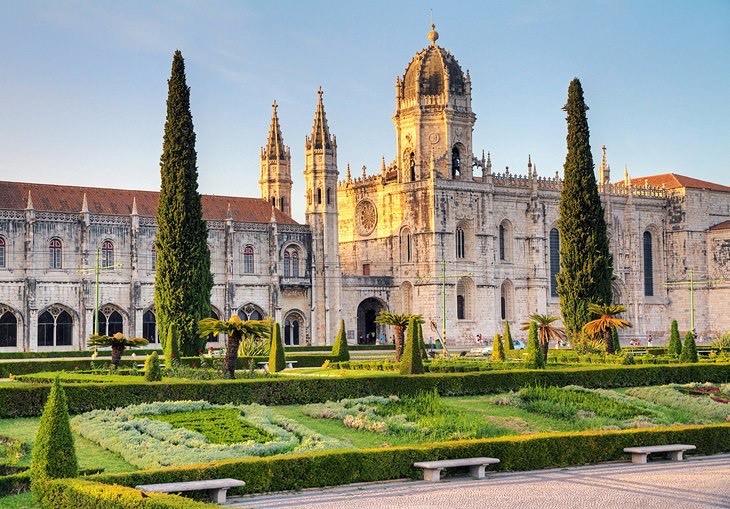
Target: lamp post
[691, 282]
[96, 270]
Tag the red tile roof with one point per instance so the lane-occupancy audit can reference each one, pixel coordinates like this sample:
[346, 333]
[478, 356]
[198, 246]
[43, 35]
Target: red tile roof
[725, 225]
[53, 198]
[674, 181]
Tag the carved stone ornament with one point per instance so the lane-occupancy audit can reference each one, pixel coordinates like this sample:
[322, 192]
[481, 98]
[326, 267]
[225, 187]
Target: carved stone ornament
[434, 138]
[366, 217]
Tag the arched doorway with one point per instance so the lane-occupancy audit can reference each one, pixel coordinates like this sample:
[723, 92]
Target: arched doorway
[367, 330]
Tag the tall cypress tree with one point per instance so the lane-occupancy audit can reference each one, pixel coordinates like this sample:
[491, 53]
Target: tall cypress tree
[585, 261]
[183, 280]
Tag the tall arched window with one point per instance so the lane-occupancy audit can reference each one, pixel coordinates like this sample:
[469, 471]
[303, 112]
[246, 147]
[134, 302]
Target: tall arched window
[55, 259]
[110, 321]
[248, 260]
[648, 265]
[2, 252]
[464, 289]
[295, 263]
[107, 253]
[412, 166]
[8, 329]
[455, 162]
[460, 242]
[153, 258]
[506, 300]
[319, 196]
[329, 196]
[502, 235]
[554, 261]
[505, 241]
[292, 329]
[282, 202]
[149, 326]
[287, 261]
[406, 252]
[55, 328]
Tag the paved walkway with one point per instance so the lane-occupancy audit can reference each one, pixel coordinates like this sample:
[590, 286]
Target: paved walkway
[697, 483]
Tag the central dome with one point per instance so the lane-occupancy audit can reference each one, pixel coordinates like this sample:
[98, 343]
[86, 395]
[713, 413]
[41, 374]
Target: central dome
[433, 71]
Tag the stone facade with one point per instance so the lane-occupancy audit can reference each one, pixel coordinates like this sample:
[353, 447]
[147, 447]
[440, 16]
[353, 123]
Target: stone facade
[436, 231]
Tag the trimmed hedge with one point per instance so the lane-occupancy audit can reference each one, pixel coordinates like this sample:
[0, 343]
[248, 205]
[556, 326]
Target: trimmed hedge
[28, 400]
[525, 452]
[14, 483]
[81, 494]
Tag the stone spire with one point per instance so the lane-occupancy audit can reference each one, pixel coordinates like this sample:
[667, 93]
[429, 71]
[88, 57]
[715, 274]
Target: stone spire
[383, 168]
[348, 175]
[529, 166]
[134, 205]
[604, 171]
[627, 180]
[29, 204]
[85, 205]
[276, 181]
[275, 148]
[320, 131]
[488, 169]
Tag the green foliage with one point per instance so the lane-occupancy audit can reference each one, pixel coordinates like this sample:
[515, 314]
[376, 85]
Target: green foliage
[399, 322]
[569, 402]
[53, 454]
[702, 408]
[516, 453]
[616, 342]
[152, 371]
[171, 346]
[508, 344]
[689, 350]
[498, 349]
[340, 350]
[218, 425]
[722, 342]
[277, 360]
[411, 363]
[585, 261]
[675, 343]
[583, 344]
[533, 356]
[182, 279]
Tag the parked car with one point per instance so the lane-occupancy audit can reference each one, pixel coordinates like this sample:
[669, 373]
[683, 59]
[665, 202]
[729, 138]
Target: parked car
[517, 343]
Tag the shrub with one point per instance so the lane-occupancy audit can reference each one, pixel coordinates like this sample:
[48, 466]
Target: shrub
[53, 455]
[411, 363]
[533, 358]
[498, 349]
[584, 344]
[674, 347]
[689, 350]
[171, 346]
[152, 371]
[340, 351]
[508, 344]
[277, 360]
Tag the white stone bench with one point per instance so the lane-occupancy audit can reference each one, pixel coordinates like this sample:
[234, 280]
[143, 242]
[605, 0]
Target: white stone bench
[216, 488]
[674, 451]
[265, 365]
[432, 469]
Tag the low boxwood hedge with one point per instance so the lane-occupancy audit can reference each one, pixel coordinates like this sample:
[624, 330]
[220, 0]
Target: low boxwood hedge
[28, 400]
[14, 483]
[525, 452]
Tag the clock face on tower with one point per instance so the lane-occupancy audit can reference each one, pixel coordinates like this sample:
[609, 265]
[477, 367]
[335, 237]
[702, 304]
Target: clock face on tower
[366, 217]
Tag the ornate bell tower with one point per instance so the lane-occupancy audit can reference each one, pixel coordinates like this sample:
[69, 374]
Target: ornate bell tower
[275, 181]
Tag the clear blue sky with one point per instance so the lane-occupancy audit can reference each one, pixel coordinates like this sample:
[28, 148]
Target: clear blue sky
[84, 83]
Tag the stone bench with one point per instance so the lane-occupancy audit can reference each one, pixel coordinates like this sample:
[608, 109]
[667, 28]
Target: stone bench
[674, 451]
[265, 365]
[432, 469]
[216, 488]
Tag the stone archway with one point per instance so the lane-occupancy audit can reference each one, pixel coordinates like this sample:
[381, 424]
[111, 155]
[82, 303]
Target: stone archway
[368, 331]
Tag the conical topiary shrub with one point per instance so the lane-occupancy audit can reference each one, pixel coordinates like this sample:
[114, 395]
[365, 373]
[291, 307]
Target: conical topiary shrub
[508, 344]
[171, 347]
[340, 351]
[533, 357]
[53, 455]
[689, 350]
[152, 371]
[675, 343]
[498, 349]
[616, 342]
[411, 363]
[277, 359]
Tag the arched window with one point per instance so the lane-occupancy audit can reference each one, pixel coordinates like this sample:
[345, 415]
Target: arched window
[412, 166]
[295, 263]
[502, 253]
[406, 252]
[153, 258]
[506, 300]
[554, 261]
[110, 321]
[464, 290]
[459, 242]
[250, 312]
[282, 201]
[287, 261]
[8, 329]
[248, 260]
[273, 201]
[149, 326]
[505, 241]
[292, 329]
[55, 328]
[329, 196]
[2, 252]
[648, 265]
[107, 253]
[291, 262]
[55, 260]
[319, 196]
[455, 162]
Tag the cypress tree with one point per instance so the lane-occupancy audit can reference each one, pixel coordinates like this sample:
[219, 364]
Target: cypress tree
[277, 359]
[411, 363]
[53, 455]
[534, 358]
[171, 346]
[498, 349]
[675, 344]
[152, 372]
[508, 344]
[616, 342]
[182, 280]
[585, 261]
[339, 350]
[689, 350]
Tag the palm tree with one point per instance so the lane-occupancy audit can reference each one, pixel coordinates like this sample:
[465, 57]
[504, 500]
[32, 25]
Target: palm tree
[236, 329]
[400, 322]
[606, 322]
[119, 342]
[546, 331]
